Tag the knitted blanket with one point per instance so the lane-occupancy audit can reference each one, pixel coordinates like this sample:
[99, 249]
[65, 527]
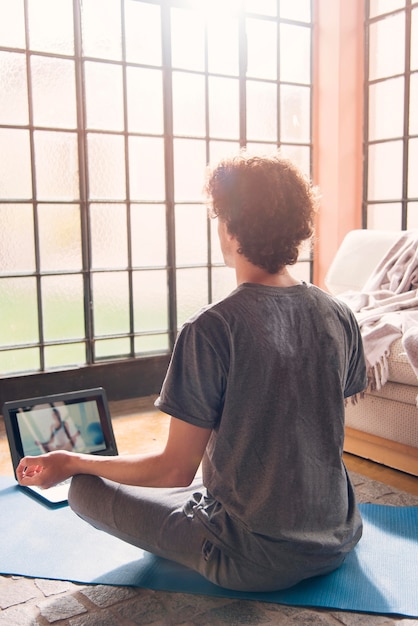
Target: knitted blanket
[387, 307]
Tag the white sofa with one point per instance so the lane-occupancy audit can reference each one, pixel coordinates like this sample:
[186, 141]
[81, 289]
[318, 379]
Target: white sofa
[383, 426]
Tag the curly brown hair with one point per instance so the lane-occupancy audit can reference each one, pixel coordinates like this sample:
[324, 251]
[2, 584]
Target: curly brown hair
[266, 203]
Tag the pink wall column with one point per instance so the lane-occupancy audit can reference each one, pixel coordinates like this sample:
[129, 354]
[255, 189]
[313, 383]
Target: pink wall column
[337, 124]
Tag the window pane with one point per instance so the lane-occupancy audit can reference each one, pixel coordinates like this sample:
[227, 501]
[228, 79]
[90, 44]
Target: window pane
[223, 47]
[109, 243]
[112, 348]
[378, 7]
[220, 149]
[295, 113]
[384, 216]
[19, 321]
[299, 11]
[111, 303]
[295, 54]
[142, 33]
[51, 27]
[223, 107]
[385, 171]
[72, 354]
[59, 237]
[262, 59]
[13, 89]
[106, 159]
[264, 7]
[56, 165]
[12, 24]
[188, 104]
[414, 39]
[299, 155]
[261, 111]
[145, 100]
[148, 231]
[191, 234]
[15, 172]
[413, 169]
[413, 105]
[53, 83]
[150, 301]
[104, 96]
[16, 233]
[187, 40]
[146, 168]
[24, 360]
[386, 109]
[412, 221]
[192, 287]
[102, 35]
[385, 60]
[151, 343]
[62, 307]
[223, 282]
[189, 169]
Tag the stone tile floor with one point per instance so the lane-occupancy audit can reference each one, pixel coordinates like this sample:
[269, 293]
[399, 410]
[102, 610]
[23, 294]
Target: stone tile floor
[38, 602]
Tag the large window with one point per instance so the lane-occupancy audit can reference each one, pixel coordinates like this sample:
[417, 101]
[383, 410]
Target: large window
[391, 158]
[109, 112]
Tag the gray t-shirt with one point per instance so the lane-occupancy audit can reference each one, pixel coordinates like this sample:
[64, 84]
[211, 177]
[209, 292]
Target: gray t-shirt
[268, 369]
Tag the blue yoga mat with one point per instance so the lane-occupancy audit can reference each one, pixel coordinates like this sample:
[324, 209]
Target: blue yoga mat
[379, 576]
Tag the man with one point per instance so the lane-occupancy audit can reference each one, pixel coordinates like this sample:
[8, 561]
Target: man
[256, 388]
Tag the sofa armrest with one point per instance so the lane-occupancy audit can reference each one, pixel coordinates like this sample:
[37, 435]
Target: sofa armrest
[357, 257]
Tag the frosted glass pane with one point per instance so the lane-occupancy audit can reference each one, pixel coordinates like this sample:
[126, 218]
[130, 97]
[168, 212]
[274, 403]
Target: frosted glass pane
[62, 305]
[56, 158]
[189, 169]
[151, 343]
[192, 292]
[145, 100]
[299, 11]
[386, 107]
[295, 54]
[101, 22]
[146, 168]
[262, 59]
[150, 301]
[378, 7]
[223, 46]
[295, 114]
[65, 355]
[15, 172]
[53, 92]
[142, 33]
[13, 89]
[384, 216]
[191, 234]
[16, 233]
[111, 303]
[104, 96]
[148, 232]
[413, 105]
[412, 220]
[19, 317]
[106, 160]
[385, 60]
[109, 241]
[24, 360]
[224, 118]
[223, 282]
[12, 23]
[187, 39]
[385, 171]
[112, 348]
[264, 7]
[414, 39]
[299, 155]
[188, 104]
[221, 149]
[413, 169]
[51, 27]
[261, 111]
[59, 237]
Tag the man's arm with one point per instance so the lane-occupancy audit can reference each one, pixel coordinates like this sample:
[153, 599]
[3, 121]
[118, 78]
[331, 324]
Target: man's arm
[175, 466]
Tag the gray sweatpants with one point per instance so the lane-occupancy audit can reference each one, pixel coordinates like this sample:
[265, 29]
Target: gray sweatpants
[163, 522]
